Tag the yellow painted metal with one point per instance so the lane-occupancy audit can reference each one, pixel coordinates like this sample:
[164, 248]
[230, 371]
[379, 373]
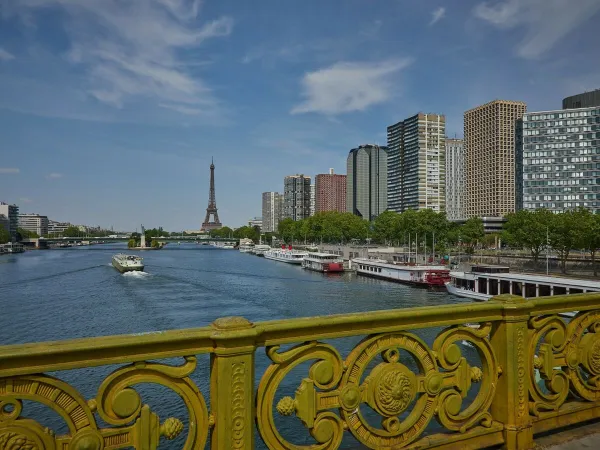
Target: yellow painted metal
[536, 371]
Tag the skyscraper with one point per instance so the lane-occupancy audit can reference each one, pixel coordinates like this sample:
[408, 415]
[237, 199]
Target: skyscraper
[366, 181]
[313, 199]
[330, 192]
[455, 179]
[490, 161]
[561, 159]
[296, 197]
[416, 178]
[272, 208]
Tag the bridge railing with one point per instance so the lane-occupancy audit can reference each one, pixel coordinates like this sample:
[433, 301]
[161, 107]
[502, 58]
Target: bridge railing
[535, 371]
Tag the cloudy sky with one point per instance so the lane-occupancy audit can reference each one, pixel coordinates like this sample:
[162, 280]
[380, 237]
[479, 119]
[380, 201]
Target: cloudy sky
[110, 110]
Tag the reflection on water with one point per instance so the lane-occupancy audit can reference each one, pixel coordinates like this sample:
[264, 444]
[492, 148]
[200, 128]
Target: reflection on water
[72, 293]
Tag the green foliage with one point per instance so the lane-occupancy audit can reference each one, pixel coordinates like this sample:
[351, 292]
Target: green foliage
[528, 229]
[224, 232]
[331, 226]
[72, 231]
[154, 232]
[26, 234]
[4, 235]
[471, 232]
[131, 243]
[589, 239]
[564, 234]
[136, 236]
[155, 243]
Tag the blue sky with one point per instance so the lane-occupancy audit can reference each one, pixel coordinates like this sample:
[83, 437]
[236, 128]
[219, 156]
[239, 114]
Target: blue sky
[110, 111]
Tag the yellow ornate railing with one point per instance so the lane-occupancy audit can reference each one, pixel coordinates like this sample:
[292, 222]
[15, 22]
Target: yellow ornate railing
[536, 371]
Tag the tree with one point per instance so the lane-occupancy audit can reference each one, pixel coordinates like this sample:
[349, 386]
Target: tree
[528, 229]
[72, 231]
[131, 243]
[386, 227]
[155, 244]
[4, 235]
[564, 234]
[26, 234]
[589, 238]
[471, 232]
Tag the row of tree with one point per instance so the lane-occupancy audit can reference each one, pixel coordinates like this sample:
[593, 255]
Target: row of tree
[426, 227]
[539, 230]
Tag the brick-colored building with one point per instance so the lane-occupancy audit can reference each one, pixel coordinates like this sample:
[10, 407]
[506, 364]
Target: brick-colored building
[490, 159]
[330, 192]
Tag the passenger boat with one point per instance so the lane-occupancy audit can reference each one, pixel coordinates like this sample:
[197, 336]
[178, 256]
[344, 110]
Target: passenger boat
[485, 281]
[288, 255]
[13, 247]
[127, 263]
[419, 275]
[260, 249]
[247, 248]
[323, 262]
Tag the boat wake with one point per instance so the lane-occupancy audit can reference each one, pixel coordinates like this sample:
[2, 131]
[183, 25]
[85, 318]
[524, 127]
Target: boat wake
[466, 343]
[136, 274]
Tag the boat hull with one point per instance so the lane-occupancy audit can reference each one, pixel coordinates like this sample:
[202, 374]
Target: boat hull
[122, 268]
[285, 260]
[334, 267]
[459, 292]
[425, 276]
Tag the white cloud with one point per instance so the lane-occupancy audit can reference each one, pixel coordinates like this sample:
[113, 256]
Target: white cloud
[7, 170]
[5, 55]
[546, 21]
[437, 15]
[134, 49]
[346, 86]
[54, 176]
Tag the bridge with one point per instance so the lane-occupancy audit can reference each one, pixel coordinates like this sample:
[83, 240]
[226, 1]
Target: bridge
[44, 242]
[536, 372]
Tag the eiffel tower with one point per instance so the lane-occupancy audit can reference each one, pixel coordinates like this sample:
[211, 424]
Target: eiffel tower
[212, 205]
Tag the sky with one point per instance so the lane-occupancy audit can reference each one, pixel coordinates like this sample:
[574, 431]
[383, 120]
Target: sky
[110, 110]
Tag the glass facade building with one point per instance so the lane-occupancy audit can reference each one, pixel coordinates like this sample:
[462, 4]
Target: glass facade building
[416, 161]
[560, 167]
[366, 181]
[296, 197]
[455, 179]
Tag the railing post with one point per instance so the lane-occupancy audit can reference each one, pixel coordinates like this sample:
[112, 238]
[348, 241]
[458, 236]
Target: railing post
[232, 384]
[509, 339]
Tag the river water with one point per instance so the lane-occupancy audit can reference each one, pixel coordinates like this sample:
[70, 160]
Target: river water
[74, 293]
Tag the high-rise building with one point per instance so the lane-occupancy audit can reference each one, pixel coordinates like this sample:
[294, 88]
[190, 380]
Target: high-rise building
[313, 197]
[561, 159]
[272, 209]
[490, 161]
[366, 181]
[296, 197]
[330, 192]
[455, 179]
[12, 214]
[34, 223]
[585, 100]
[416, 163]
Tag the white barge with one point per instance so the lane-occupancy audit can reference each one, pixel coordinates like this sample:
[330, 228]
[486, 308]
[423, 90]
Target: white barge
[485, 281]
[420, 275]
[286, 255]
[127, 263]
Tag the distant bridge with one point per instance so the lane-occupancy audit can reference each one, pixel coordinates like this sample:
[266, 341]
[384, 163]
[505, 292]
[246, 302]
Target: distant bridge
[43, 242]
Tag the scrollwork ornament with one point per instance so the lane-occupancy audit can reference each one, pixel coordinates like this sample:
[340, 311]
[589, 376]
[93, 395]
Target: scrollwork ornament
[553, 331]
[119, 404]
[391, 388]
[583, 355]
[451, 413]
[325, 373]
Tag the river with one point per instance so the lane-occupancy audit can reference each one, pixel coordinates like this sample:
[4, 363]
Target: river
[75, 292]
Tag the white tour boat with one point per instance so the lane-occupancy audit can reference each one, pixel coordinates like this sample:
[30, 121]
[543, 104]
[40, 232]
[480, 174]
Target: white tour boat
[418, 274]
[485, 281]
[323, 262]
[288, 255]
[127, 263]
[246, 248]
[261, 249]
